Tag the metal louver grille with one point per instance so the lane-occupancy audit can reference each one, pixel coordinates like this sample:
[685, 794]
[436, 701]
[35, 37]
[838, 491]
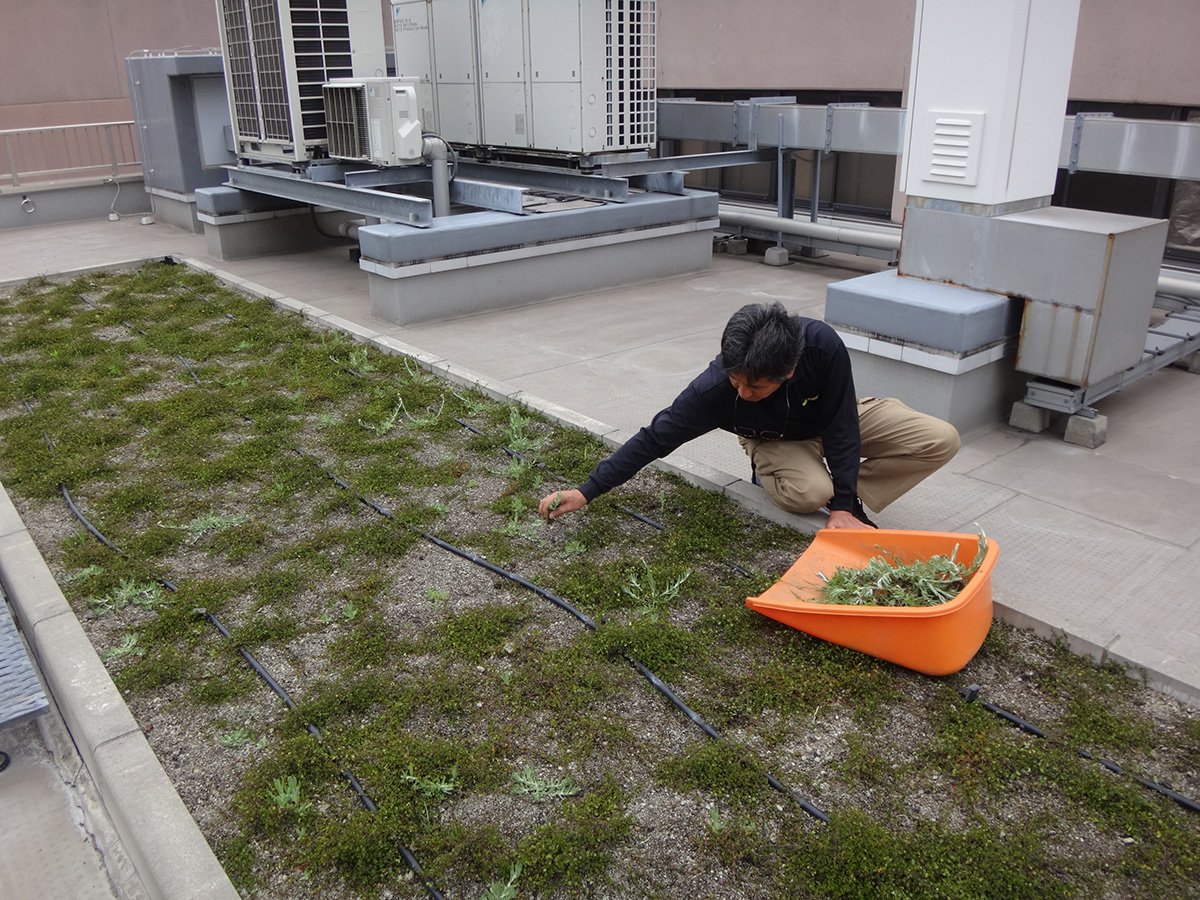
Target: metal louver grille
[630, 73]
[268, 59]
[346, 121]
[321, 35]
[278, 55]
[240, 76]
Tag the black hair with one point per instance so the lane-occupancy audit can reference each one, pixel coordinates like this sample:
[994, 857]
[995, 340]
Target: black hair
[762, 340]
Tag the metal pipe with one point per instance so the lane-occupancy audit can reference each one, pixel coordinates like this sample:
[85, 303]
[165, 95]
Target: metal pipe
[1179, 287]
[854, 236]
[438, 154]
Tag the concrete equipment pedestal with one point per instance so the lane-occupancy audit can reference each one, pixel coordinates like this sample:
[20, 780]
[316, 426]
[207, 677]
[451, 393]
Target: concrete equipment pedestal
[481, 261]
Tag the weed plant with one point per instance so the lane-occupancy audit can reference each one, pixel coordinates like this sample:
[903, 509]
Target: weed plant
[290, 481]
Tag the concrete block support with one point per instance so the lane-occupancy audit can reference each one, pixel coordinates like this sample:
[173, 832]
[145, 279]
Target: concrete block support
[1029, 418]
[176, 209]
[1086, 431]
[444, 289]
[776, 256]
[1190, 363]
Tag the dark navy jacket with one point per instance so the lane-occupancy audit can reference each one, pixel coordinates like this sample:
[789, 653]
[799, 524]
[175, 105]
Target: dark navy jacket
[818, 401]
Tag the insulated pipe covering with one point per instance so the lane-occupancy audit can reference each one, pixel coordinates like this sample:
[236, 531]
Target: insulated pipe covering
[854, 236]
[437, 152]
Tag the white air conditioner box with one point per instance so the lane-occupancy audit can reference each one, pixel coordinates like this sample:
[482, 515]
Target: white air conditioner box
[373, 120]
[562, 76]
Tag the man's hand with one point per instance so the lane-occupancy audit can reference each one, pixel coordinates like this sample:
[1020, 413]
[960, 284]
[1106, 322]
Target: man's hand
[560, 502]
[841, 518]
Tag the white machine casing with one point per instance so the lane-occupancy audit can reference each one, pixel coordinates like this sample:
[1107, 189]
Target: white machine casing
[560, 76]
[373, 120]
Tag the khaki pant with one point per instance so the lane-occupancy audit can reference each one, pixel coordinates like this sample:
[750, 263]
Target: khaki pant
[900, 447]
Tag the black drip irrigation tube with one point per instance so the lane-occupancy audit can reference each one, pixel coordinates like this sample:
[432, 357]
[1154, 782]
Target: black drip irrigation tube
[86, 524]
[971, 695]
[560, 477]
[283, 695]
[588, 622]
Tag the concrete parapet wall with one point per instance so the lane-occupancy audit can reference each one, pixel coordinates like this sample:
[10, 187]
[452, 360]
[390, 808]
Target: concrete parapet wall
[48, 204]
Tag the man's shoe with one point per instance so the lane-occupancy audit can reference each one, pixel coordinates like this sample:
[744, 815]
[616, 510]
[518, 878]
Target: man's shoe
[861, 514]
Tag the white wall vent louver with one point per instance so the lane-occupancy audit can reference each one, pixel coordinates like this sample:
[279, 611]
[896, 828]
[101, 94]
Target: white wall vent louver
[278, 54]
[954, 147]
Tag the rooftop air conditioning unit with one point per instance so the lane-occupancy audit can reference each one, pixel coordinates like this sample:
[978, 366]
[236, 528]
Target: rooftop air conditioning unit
[278, 54]
[563, 76]
[373, 120]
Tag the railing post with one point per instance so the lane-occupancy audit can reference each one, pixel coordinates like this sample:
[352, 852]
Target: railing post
[12, 160]
[112, 150]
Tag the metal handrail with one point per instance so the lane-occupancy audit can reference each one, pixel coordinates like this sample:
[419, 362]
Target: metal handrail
[63, 151]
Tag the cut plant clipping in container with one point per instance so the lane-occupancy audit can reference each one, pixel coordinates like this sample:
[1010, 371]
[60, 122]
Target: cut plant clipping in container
[935, 640]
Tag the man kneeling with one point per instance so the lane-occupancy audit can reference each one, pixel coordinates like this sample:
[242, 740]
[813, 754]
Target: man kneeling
[782, 384]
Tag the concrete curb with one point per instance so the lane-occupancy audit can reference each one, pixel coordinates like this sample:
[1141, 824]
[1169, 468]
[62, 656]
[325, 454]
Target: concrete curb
[72, 274]
[171, 856]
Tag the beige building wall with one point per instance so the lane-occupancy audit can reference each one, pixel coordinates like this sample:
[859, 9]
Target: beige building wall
[64, 60]
[1125, 52]
[1146, 51]
[797, 44]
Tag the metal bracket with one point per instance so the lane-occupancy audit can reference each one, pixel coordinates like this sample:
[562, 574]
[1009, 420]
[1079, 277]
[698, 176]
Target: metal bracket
[829, 109]
[1077, 136]
[754, 103]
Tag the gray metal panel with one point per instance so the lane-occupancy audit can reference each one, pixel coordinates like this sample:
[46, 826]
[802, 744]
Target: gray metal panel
[695, 120]
[1135, 147]
[171, 126]
[942, 316]
[868, 130]
[1107, 144]
[229, 201]
[1056, 341]
[688, 163]
[487, 195]
[1051, 254]
[803, 126]
[478, 232]
[855, 129]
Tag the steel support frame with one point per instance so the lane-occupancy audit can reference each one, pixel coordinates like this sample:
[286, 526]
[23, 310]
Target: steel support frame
[363, 201]
[1072, 400]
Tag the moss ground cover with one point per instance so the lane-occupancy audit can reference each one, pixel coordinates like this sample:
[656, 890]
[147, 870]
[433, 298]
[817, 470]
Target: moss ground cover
[226, 448]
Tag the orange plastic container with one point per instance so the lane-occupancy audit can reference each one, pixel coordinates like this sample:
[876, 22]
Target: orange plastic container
[935, 640]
